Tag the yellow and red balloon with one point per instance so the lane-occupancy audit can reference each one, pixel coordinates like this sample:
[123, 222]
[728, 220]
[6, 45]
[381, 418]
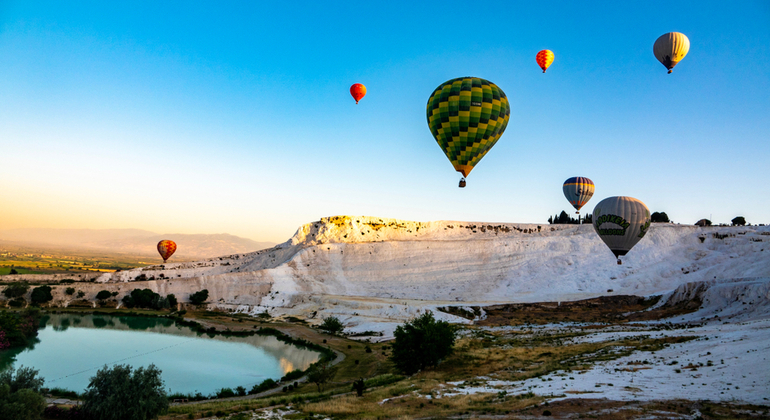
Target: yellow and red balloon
[544, 59]
[166, 249]
[358, 91]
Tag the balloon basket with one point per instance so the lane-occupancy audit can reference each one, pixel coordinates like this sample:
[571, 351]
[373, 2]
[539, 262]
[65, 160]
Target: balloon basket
[462, 183]
[620, 262]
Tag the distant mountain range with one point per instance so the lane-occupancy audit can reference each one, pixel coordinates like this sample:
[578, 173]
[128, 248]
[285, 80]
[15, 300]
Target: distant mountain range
[132, 241]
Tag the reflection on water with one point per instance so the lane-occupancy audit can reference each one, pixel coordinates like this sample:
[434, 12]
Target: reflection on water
[70, 349]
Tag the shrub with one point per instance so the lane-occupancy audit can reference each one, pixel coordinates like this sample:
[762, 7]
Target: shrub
[15, 290]
[104, 294]
[241, 391]
[225, 393]
[135, 395]
[264, 386]
[41, 294]
[332, 325]
[81, 294]
[144, 298]
[70, 291]
[17, 303]
[172, 302]
[739, 221]
[661, 217]
[199, 297]
[421, 343]
[20, 394]
[294, 374]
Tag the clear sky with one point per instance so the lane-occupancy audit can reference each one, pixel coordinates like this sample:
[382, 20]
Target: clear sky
[235, 117]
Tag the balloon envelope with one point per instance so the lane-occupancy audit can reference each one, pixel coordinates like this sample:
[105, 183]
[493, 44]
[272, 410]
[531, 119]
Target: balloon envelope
[358, 91]
[467, 116]
[671, 48]
[166, 249]
[578, 190]
[544, 59]
[621, 222]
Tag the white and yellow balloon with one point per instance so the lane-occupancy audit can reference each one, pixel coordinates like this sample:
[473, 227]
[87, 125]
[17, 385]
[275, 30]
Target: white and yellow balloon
[671, 48]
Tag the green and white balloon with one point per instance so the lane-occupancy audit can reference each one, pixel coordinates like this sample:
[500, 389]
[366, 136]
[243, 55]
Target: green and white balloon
[621, 223]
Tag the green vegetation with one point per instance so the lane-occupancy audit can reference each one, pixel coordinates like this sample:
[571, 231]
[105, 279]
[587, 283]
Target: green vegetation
[739, 221]
[41, 294]
[422, 343]
[17, 328]
[15, 290]
[332, 325]
[104, 294]
[143, 298]
[199, 297]
[321, 373]
[117, 393]
[29, 260]
[661, 217]
[20, 397]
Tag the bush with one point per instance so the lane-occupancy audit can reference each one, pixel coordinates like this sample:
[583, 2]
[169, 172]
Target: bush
[81, 294]
[17, 303]
[661, 217]
[144, 298]
[172, 302]
[70, 291]
[294, 374]
[332, 325]
[132, 395]
[41, 294]
[739, 221]
[18, 328]
[241, 391]
[267, 384]
[199, 297]
[225, 393]
[20, 394]
[104, 294]
[421, 343]
[15, 290]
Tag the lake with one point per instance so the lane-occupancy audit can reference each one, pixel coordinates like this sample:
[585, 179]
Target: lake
[70, 349]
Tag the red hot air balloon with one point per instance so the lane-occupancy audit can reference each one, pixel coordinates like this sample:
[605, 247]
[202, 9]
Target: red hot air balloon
[544, 59]
[358, 91]
[166, 249]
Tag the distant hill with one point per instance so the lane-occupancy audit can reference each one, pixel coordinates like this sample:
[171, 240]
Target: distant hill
[132, 241]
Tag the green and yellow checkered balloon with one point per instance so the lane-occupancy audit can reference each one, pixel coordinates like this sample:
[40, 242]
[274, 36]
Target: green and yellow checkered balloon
[467, 116]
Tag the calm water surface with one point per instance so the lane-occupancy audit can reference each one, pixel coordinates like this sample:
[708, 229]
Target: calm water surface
[71, 348]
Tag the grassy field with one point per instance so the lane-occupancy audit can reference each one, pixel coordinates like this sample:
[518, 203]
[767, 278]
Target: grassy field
[26, 260]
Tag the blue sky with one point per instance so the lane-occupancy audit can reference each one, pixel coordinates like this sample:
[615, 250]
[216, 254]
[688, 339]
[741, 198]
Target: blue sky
[198, 117]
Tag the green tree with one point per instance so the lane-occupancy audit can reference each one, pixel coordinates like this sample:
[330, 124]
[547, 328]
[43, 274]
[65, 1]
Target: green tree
[739, 221]
[117, 393]
[172, 302]
[321, 373]
[15, 290]
[41, 294]
[104, 294]
[332, 325]
[661, 217]
[422, 343]
[70, 291]
[199, 297]
[20, 397]
[13, 271]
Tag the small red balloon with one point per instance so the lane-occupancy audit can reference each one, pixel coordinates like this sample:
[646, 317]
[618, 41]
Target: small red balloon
[358, 91]
[166, 249]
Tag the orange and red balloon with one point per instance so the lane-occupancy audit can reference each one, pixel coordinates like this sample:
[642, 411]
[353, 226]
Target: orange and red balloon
[358, 91]
[544, 59]
[166, 249]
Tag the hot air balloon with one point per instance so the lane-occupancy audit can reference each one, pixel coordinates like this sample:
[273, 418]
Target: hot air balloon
[578, 191]
[166, 249]
[621, 222]
[467, 116]
[670, 49]
[544, 59]
[358, 91]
